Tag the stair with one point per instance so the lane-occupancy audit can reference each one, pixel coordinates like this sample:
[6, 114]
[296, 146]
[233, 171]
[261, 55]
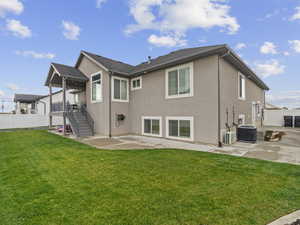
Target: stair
[84, 128]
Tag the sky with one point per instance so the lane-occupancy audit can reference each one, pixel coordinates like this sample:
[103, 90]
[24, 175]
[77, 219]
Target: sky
[265, 33]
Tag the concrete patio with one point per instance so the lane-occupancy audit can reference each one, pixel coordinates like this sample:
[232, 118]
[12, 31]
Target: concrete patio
[286, 151]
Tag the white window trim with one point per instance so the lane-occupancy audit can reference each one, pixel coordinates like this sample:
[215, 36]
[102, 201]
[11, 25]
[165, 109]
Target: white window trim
[152, 118]
[243, 118]
[191, 94]
[113, 89]
[137, 88]
[243, 84]
[91, 85]
[190, 118]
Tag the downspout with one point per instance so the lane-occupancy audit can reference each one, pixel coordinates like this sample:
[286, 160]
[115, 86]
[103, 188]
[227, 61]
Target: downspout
[219, 105]
[109, 103]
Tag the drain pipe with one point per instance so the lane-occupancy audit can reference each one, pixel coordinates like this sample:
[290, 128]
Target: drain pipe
[220, 144]
[219, 105]
[109, 103]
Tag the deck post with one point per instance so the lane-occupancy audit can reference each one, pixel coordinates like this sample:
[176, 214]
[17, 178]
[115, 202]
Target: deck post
[64, 104]
[50, 106]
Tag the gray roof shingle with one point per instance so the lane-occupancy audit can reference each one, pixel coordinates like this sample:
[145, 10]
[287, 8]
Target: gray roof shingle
[110, 64]
[26, 98]
[69, 71]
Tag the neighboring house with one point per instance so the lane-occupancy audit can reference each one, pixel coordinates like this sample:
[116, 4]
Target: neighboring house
[269, 106]
[26, 104]
[191, 94]
[40, 104]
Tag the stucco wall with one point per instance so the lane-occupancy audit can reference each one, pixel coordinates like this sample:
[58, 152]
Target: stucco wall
[229, 95]
[99, 110]
[151, 101]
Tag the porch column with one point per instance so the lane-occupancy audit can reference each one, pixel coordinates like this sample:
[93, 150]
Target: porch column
[50, 106]
[64, 104]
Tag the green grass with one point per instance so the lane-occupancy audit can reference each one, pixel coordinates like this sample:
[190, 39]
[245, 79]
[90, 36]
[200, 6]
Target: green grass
[47, 179]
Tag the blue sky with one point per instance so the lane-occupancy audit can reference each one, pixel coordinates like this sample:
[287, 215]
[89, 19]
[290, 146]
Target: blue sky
[266, 33]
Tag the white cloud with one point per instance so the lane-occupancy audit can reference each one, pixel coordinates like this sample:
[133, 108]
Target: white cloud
[240, 46]
[71, 30]
[36, 55]
[268, 48]
[99, 3]
[2, 93]
[286, 53]
[269, 68]
[166, 41]
[270, 15]
[13, 6]
[296, 16]
[181, 15]
[295, 45]
[13, 87]
[18, 29]
[202, 40]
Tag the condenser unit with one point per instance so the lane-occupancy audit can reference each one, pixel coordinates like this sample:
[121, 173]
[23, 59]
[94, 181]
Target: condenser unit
[229, 137]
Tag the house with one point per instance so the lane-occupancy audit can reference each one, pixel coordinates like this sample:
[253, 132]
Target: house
[269, 106]
[192, 94]
[40, 104]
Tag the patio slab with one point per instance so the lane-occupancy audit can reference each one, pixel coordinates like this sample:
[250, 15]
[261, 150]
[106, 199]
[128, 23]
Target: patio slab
[286, 151]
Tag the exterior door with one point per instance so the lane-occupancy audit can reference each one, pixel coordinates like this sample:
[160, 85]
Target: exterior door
[254, 113]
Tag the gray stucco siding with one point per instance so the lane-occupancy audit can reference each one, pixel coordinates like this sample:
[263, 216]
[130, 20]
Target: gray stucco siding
[99, 110]
[229, 95]
[202, 106]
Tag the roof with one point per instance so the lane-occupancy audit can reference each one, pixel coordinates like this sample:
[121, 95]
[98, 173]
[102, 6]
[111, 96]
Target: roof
[26, 98]
[177, 57]
[110, 64]
[271, 106]
[69, 71]
[162, 62]
[174, 56]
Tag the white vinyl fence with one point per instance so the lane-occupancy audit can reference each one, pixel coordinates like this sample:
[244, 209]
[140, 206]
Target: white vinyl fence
[12, 121]
[275, 117]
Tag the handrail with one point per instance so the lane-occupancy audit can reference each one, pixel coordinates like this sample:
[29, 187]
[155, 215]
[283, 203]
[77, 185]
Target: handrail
[89, 118]
[73, 122]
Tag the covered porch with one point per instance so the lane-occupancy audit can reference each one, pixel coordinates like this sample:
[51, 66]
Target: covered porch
[67, 78]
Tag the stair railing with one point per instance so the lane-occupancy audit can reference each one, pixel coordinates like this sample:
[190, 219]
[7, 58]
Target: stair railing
[89, 118]
[73, 122]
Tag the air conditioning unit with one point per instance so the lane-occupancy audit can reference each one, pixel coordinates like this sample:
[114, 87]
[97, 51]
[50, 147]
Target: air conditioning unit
[229, 137]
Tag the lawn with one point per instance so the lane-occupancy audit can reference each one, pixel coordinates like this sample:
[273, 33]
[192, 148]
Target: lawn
[47, 179]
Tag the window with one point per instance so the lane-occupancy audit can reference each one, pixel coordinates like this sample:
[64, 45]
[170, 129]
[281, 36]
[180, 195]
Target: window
[96, 87]
[180, 128]
[242, 86]
[179, 81]
[120, 89]
[152, 126]
[136, 83]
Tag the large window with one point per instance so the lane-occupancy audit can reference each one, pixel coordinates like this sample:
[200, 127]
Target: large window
[120, 89]
[136, 83]
[242, 87]
[96, 87]
[180, 128]
[152, 126]
[179, 81]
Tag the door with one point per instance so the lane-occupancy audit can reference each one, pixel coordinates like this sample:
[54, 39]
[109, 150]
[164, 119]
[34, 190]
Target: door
[254, 113]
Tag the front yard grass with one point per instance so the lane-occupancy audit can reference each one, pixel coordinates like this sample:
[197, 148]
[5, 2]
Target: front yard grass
[47, 179]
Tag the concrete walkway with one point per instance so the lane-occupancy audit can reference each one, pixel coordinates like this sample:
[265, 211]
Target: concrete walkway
[288, 219]
[286, 151]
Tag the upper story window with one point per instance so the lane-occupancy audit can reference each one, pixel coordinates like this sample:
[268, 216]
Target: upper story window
[136, 83]
[179, 81]
[96, 87]
[242, 87]
[120, 89]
